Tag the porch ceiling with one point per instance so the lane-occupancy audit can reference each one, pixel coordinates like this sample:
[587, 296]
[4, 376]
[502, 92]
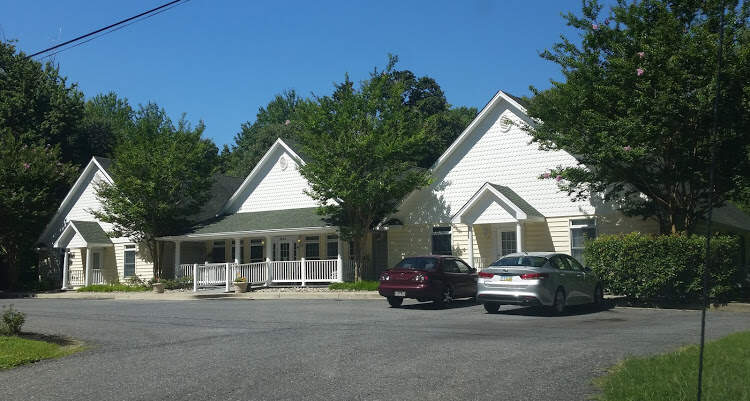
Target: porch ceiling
[304, 219]
[494, 203]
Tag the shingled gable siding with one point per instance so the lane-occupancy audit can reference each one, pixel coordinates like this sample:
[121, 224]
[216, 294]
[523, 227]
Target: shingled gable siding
[87, 201]
[276, 187]
[493, 153]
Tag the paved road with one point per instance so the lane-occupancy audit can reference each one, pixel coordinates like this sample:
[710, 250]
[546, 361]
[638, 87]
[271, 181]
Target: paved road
[343, 350]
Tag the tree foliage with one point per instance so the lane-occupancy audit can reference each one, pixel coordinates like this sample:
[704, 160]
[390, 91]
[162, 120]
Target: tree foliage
[361, 148]
[106, 118]
[162, 175]
[32, 182]
[635, 107]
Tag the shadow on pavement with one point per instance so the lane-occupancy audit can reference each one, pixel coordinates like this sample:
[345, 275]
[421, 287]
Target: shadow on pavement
[457, 304]
[577, 310]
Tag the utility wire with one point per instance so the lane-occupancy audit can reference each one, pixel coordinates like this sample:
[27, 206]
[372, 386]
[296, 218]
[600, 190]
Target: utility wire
[107, 28]
[710, 200]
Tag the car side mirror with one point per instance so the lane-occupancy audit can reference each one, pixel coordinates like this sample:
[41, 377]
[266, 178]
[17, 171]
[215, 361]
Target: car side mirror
[472, 270]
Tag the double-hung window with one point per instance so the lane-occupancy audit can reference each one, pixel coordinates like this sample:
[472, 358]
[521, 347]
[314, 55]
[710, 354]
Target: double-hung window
[256, 250]
[217, 252]
[332, 246]
[581, 230]
[312, 247]
[129, 261]
[441, 241]
[507, 242]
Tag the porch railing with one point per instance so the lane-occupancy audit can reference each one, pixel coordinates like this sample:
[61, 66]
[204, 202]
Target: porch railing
[265, 273]
[77, 277]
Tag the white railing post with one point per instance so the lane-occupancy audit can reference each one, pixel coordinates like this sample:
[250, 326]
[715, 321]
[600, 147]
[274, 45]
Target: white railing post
[65, 270]
[89, 267]
[339, 269]
[303, 266]
[226, 267]
[269, 277]
[195, 277]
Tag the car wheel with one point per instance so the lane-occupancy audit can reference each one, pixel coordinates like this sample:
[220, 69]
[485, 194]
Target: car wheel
[395, 302]
[446, 297]
[492, 307]
[559, 306]
[598, 296]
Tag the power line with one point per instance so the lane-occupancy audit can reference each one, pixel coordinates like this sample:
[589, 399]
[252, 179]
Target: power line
[163, 7]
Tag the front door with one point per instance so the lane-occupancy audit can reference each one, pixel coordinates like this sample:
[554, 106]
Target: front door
[285, 249]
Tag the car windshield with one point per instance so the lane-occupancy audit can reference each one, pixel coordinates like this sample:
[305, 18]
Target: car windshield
[417, 264]
[532, 261]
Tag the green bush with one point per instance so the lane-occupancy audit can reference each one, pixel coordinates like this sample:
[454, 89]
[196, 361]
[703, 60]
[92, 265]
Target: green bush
[179, 283]
[363, 285]
[12, 322]
[113, 288]
[665, 267]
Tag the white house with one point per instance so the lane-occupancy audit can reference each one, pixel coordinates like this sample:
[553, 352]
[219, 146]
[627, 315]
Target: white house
[485, 200]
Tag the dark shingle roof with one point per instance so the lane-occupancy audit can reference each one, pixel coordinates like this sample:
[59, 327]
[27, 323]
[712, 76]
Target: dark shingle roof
[731, 215]
[222, 188]
[518, 100]
[517, 200]
[265, 220]
[91, 232]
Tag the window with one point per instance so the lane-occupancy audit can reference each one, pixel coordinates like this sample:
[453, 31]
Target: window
[417, 264]
[574, 265]
[96, 261]
[507, 242]
[312, 247]
[217, 252]
[463, 267]
[242, 252]
[441, 241]
[256, 250]
[284, 251]
[332, 247]
[450, 266]
[129, 258]
[560, 262]
[581, 230]
[530, 261]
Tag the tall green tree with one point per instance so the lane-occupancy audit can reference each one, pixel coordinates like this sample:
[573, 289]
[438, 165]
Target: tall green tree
[635, 106]
[254, 139]
[162, 175]
[361, 147]
[33, 180]
[106, 117]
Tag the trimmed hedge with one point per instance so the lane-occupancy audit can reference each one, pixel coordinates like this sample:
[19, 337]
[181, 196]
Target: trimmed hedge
[665, 267]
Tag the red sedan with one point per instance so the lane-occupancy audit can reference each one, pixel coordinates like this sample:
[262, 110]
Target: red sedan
[436, 278]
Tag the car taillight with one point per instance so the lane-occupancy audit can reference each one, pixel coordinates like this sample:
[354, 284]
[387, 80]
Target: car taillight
[486, 275]
[385, 277]
[420, 278]
[534, 276]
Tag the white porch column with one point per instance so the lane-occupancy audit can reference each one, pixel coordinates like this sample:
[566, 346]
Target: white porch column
[226, 272]
[519, 236]
[237, 250]
[269, 271]
[195, 277]
[471, 244]
[176, 258]
[303, 270]
[65, 269]
[268, 248]
[89, 266]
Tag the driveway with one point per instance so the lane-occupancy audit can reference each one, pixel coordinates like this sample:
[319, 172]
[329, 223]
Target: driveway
[344, 350]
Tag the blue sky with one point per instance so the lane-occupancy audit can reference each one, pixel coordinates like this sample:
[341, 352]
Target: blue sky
[220, 61]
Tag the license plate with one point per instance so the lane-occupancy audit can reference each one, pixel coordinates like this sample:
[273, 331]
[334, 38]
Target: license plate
[504, 278]
[399, 293]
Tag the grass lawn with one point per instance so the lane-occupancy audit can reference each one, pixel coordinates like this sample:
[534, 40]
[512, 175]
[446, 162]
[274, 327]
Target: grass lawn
[113, 288]
[363, 285]
[16, 351]
[674, 376]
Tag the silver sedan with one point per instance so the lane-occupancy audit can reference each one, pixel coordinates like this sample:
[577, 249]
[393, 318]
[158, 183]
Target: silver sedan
[548, 279]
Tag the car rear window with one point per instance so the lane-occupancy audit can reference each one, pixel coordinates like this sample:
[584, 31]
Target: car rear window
[531, 261]
[417, 264]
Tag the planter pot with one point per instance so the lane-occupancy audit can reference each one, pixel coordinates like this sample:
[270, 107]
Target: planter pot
[240, 287]
[158, 288]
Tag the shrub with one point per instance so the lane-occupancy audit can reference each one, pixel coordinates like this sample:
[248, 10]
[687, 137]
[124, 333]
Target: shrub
[113, 288]
[179, 283]
[12, 322]
[363, 285]
[665, 267]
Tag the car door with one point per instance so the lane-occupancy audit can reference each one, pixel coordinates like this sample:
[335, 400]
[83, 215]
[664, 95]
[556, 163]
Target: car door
[566, 277]
[453, 276]
[468, 279]
[586, 281]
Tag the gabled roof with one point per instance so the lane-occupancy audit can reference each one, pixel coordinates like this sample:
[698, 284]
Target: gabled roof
[91, 232]
[96, 163]
[258, 167]
[522, 210]
[731, 215]
[222, 188]
[499, 97]
[257, 222]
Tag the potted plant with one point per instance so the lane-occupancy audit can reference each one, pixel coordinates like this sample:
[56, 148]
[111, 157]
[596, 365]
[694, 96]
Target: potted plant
[157, 286]
[240, 284]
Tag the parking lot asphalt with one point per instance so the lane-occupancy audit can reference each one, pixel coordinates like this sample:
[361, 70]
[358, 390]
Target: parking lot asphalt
[338, 350]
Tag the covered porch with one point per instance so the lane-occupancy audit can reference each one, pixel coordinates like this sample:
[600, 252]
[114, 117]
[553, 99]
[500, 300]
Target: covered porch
[88, 255]
[292, 246]
[496, 219]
